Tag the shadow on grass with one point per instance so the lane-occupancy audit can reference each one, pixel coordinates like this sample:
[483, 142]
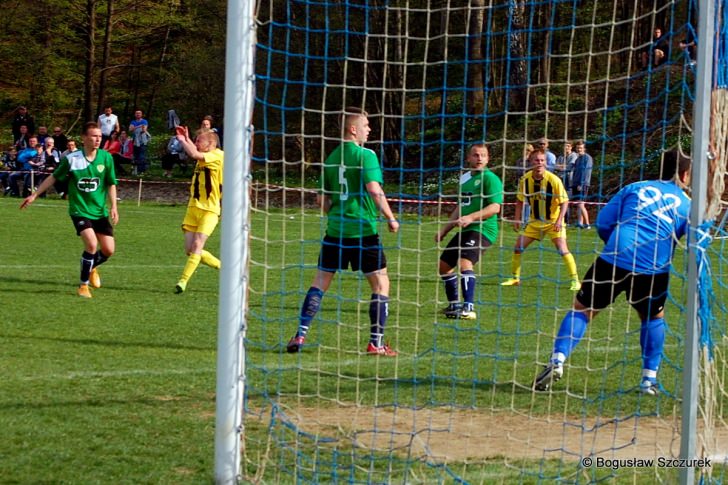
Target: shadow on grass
[107, 343]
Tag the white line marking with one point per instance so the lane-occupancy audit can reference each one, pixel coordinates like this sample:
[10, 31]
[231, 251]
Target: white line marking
[118, 373]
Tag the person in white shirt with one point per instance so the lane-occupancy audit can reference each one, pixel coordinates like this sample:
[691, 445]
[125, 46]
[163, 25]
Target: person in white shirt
[109, 123]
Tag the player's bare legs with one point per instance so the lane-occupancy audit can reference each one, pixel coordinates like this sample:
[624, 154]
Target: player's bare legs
[97, 249]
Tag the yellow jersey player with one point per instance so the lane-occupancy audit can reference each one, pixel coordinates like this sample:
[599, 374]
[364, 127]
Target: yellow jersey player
[203, 209]
[545, 194]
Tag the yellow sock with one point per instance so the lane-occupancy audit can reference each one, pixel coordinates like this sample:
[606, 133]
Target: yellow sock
[208, 259]
[571, 265]
[193, 260]
[516, 265]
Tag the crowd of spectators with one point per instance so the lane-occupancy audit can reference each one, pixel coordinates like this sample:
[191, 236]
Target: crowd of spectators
[35, 152]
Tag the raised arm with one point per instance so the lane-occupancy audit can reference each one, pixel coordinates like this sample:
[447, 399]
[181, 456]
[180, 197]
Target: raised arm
[183, 136]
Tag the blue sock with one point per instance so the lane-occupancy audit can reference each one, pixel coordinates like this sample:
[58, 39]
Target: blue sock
[652, 341]
[310, 307]
[87, 264]
[451, 287]
[378, 312]
[570, 333]
[468, 283]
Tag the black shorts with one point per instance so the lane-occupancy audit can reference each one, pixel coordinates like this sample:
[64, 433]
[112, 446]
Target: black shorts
[362, 253]
[466, 245]
[577, 194]
[100, 226]
[604, 282]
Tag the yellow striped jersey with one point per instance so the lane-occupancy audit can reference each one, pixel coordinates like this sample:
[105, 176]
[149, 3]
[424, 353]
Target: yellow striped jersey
[545, 196]
[206, 187]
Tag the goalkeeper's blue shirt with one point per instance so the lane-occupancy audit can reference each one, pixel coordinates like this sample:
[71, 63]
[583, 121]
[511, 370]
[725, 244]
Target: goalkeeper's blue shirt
[641, 225]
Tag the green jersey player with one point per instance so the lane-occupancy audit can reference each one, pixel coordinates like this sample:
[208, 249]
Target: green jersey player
[91, 182]
[479, 200]
[352, 197]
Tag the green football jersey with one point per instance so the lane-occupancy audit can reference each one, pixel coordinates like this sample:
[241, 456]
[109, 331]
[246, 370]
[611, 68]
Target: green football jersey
[346, 172]
[476, 192]
[88, 183]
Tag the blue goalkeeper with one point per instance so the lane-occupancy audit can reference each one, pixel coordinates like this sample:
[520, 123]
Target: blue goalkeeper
[640, 227]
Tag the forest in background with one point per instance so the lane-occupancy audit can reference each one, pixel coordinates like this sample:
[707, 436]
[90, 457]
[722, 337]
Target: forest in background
[434, 74]
[66, 59]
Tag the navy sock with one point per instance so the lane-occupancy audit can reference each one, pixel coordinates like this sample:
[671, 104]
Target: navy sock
[309, 308]
[87, 264]
[99, 258]
[468, 283]
[378, 312]
[451, 287]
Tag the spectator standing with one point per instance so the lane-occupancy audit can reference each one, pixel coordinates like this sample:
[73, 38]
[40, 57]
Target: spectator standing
[113, 146]
[139, 128]
[60, 139]
[580, 181]
[21, 143]
[22, 118]
[543, 144]
[174, 155]
[109, 123]
[565, 163]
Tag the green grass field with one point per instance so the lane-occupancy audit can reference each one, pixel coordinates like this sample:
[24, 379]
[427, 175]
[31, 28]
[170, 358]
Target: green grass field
[120, 388]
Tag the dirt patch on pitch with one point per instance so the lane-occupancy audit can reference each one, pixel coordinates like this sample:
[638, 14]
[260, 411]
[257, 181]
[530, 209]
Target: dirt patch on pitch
[442, 435]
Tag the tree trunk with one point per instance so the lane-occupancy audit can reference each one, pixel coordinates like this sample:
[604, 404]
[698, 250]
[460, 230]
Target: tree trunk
[518, 83]
[160, 70]
[442, 51]
[475, 95]
[88, 81]
[106, 56]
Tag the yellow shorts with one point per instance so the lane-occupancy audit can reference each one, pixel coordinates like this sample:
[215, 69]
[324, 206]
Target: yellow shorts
[197, 220]
[539, 230]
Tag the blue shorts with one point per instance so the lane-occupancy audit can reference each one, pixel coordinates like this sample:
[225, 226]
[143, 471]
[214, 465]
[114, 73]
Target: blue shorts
[364, 253]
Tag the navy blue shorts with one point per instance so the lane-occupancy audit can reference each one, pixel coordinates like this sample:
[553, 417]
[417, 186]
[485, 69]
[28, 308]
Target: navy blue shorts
[364, 253]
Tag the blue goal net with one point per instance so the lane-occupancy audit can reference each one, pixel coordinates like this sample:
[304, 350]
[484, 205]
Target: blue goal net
[453, 397]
